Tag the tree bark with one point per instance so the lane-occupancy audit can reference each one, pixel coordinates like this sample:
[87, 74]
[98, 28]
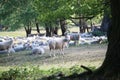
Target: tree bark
[49, 29]
[28, 30]
[55, 31]
[37, 26]
[105, 23]
[111, 65]
[63, 27]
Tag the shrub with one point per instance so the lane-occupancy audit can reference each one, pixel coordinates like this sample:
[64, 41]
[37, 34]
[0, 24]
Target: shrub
[98, 33]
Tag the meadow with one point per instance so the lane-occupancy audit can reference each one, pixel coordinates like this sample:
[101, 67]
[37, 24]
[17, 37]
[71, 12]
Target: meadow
[23, 66]
[88, 55]
[22, 33]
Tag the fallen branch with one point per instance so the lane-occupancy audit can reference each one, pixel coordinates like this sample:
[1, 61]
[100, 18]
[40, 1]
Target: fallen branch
[86, 68]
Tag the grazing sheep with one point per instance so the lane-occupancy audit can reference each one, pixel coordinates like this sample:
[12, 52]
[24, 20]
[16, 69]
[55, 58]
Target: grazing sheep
[73, 36]
[38, 50]
[6, 45]
[57, 44]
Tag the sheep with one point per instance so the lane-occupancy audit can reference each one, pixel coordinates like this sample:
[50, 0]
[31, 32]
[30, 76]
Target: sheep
[74, 37]
[11, 50]
[6, 45]
[38, 50]
[57, 44]
[18, 47]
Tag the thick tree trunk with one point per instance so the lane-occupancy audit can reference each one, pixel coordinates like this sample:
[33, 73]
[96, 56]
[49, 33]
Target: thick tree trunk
[111, 65]
[105, 23]
[63, 27]
[49, 29]
[56, 31]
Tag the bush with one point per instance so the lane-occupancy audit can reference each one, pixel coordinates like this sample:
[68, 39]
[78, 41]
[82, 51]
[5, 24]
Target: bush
[34, 73]
[15, 74]
[98, 33]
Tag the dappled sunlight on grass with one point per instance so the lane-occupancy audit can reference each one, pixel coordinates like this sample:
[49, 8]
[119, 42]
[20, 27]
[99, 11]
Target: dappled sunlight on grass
[82, 55]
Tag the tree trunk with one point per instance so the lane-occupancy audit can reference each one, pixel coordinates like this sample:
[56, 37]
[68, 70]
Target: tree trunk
[56, 31]
[63, 27]
[81, 26]
[28, 30]
[105, 23]
[111, 65]
[37, 26]
[49, 29]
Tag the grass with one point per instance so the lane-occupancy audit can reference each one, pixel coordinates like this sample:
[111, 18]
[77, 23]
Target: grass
[13, 33]
[22, 65]
[22, 33]
[44, 61]
[44, 65]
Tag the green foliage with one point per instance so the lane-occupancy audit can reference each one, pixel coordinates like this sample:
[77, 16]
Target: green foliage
[50, 11]
[75, 69]
[14, 74]
[98, 33]
[35, 73]
[87, 7]
[16, 14]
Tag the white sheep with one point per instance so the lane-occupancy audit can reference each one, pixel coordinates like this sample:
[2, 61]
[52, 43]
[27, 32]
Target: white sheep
[18, 47]
[6, 45]
[11, 50]
[74, 37]
[57, 44]
[38, 50]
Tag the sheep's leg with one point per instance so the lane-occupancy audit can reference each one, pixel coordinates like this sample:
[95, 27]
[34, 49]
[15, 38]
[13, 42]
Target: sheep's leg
[54, 53]
[59, 52]
[50, 53]
[62, 52]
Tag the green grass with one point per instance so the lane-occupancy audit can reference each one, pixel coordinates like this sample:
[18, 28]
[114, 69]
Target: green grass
[35, 73]
[13, 33]
[22, 33]
[33, 67]
[23, 58]
[21, 65]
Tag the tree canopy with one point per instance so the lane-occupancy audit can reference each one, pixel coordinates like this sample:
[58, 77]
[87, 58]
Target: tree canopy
[16, 14]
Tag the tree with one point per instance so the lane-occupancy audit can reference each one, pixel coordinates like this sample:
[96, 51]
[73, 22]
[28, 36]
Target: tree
[106, 17]
[8, 10]
[84, 10]
[18, 14]
[52, 12]
[111, 65]
[110, 68]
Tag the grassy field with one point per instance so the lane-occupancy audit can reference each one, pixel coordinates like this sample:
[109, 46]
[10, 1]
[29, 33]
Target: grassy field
[38, 66]
[22, 33]
[44, 65]
[83, 55]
